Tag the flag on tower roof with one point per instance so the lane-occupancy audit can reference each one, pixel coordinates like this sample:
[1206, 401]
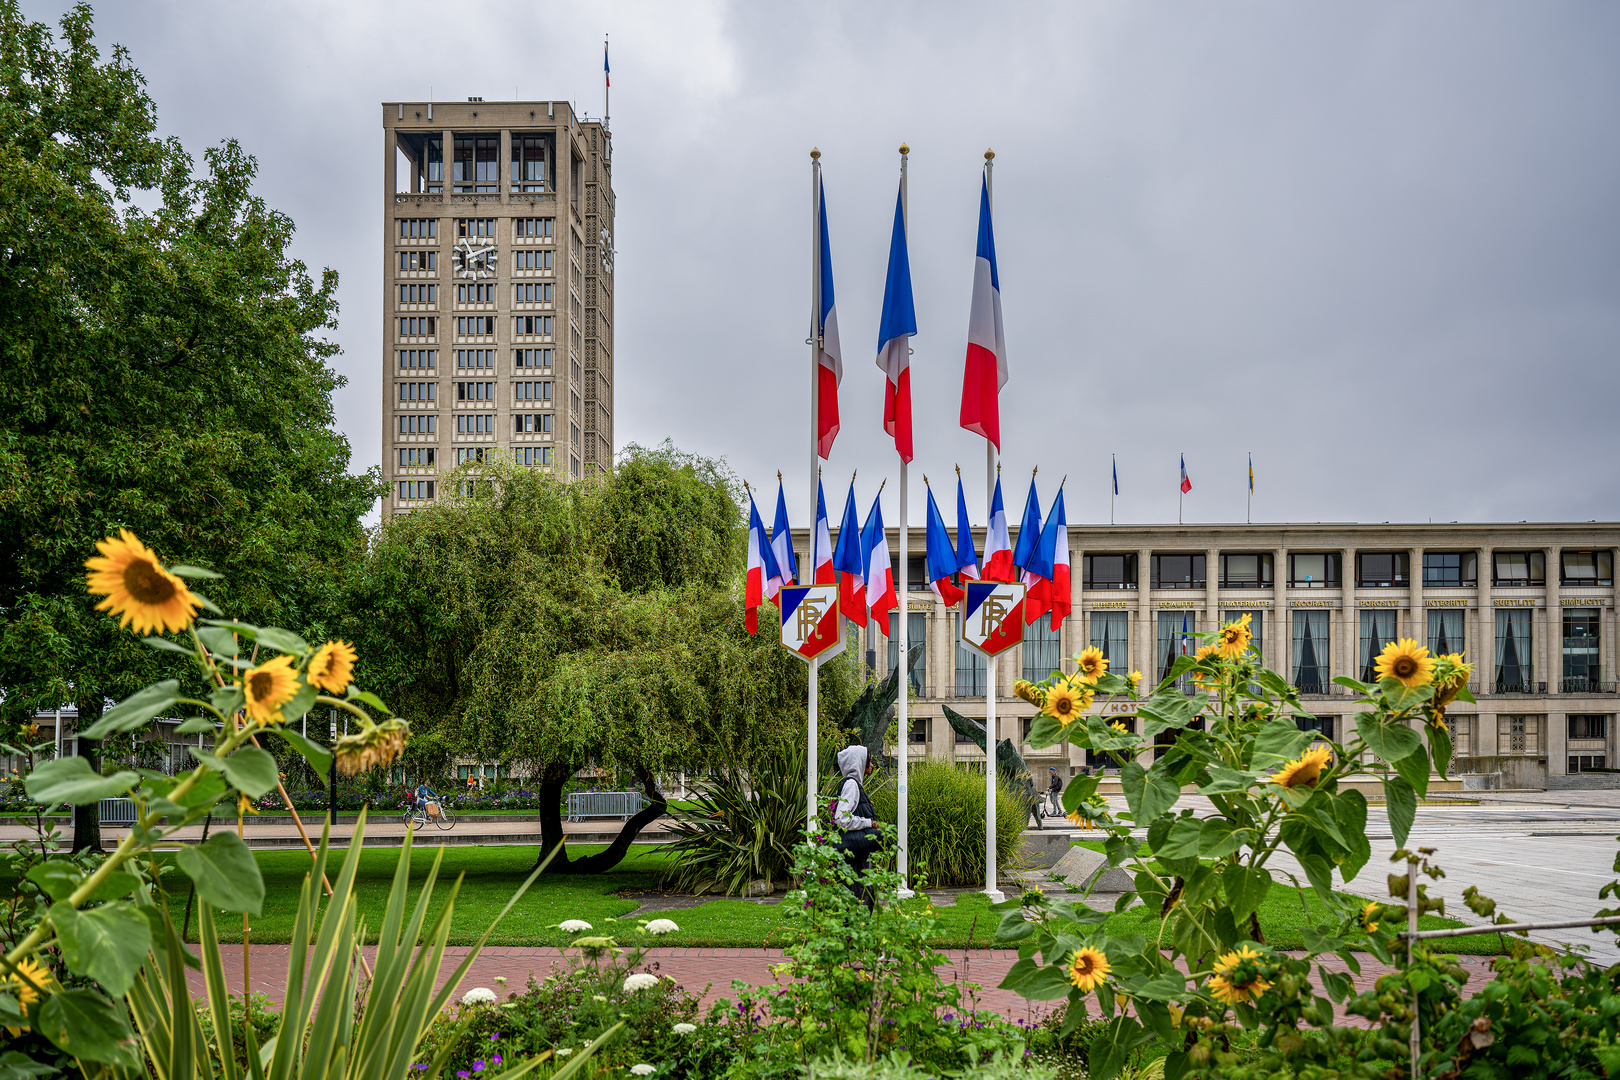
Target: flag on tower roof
[1186, 481]
[985, 371]
[998, 554]
[941, 556]
[898, 322]
[849, 559]
[830, 355]
[761, 567]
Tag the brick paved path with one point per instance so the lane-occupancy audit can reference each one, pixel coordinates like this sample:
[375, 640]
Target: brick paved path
[708, 972]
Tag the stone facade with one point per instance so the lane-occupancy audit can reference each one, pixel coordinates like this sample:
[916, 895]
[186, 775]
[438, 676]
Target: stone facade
[497, 328]
[1546, 698]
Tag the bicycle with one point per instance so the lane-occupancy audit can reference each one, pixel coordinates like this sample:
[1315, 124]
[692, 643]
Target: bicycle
[417, 816]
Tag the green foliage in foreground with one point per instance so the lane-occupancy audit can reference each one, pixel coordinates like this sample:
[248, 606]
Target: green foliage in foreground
[946, 812]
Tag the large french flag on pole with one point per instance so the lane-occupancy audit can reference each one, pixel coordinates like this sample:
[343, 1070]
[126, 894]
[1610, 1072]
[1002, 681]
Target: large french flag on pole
[821, 549]
[787, 560]
[895, 327]
[967, 559]
[986, 370]
[941, 556]
[761, 567]
[830, 356]
[880, 595]
[849, 559]
[1049, 591]
[998, 553]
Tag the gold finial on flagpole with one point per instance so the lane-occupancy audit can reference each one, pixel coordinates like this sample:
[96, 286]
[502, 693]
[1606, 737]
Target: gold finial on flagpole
[989, 155]
[815, 153]
[778, 476]
[1033, 471]
[1063, 481]
[959, 472]
[852, 475]
[904, 149]
[925, 481]
[881, 486]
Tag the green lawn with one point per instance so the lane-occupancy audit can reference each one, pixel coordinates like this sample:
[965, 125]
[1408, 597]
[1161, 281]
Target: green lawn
[492, 874]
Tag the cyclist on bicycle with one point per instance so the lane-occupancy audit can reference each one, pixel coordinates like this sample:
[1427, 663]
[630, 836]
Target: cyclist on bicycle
[425, 795]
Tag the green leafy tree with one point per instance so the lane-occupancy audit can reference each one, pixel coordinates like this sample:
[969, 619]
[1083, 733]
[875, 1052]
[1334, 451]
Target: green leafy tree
[162, 369]
[554, 626]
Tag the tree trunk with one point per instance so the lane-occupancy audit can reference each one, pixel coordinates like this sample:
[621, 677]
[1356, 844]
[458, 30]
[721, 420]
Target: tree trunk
[551, 830]
[87, 819]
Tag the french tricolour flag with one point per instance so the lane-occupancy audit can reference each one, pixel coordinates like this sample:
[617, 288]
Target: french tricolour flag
[761, 568]
[849, 559]
[787, 560]
[880, 594]
[821, 549]
[967, 559]
[941, 556]
[1049, 591]
[1186, 481]
[998, 553]
[895, 327]
[830, 357]
[986, 370]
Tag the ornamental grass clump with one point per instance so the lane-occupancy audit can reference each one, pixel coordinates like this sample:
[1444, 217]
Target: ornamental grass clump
[1241, 739]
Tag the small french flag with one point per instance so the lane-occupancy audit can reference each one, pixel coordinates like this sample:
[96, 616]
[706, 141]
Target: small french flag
[880, 595]
[1186, 481]
[985, 371]
[787, 560]
[998, 553]
[821, 549]
[941, 556]
[967, 559]
[849, 559]
[761, 568]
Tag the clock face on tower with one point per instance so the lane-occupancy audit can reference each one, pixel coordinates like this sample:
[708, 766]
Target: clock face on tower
[475, 259]
[607, 251]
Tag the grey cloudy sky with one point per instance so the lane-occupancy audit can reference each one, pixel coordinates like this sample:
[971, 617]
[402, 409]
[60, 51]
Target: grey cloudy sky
[1376, 244]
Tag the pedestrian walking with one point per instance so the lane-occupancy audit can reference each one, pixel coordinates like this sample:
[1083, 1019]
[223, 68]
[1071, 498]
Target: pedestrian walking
[854, 815]
[1054, 792]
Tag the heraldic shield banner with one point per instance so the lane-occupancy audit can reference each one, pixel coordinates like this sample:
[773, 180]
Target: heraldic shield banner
[992, 616]
[810, 623]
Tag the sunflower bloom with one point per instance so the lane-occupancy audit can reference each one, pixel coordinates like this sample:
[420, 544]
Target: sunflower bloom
[1079, 820]
[1135, 678]
[1306, 771]
[1407, 661]
[1368, 922]
[1235, 637]
[1066, 701]
[137, 588]
[1031, 693]
[1088, 970]
[332, 666]
[1238, 977]
[24, 985]
[1121, 726]
[1204, 680]
[1450, 676]
[1092, 664]
[377, 744]
[268, 687]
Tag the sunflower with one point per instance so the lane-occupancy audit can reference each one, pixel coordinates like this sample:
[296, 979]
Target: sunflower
[1066, 701]
[1080, 820]
[1088, 970]
[377, 744]
[1030, 692]
[268, 687]
[1120, 725]
[1201, 679]
[1135, 678]
[1407, 661]
[1238, 977]
[1304, 772]
[25, 984]
[332, 666]
[1234, 638]
[137, 588]
[1367, 920]
[1092, 664]
[1450, 676]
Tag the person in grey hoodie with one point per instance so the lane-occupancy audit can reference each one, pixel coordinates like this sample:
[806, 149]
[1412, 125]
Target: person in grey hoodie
[853, 813]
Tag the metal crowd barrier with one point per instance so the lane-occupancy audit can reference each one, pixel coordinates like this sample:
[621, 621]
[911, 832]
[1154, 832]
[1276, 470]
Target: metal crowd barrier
[118, 811]
[587, 804]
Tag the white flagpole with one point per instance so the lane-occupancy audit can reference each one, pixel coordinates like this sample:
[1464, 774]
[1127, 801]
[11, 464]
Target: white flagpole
[902, 814]
[811, 750]
[990, 728]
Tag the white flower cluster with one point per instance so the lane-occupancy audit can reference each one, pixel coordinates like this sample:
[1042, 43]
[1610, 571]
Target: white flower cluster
[478, 995]
[640, 981]
[573, 926]
[643, 1069]
[662, 926]
[684, 1029]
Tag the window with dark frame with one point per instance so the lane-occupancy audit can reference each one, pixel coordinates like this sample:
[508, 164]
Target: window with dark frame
[1519, 568]
[1314, 571]
[1588, 726]
[1586, 568]
[1246, 571]
[529, 156]
[1177, 571]
[477, 163]
[1381, 569]
[1450, 569]
[1582, 673]
[1108, 571]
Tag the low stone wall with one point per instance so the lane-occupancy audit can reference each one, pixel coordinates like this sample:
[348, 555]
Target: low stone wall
[1521, 773]
[1586, 781]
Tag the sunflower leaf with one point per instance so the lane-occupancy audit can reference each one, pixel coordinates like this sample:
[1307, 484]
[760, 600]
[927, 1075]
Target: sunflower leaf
[207, 603]
[218, 640]
[249, 769]
[301, 702]
[1440, 747]
[88, 1026]
[319, 757]
[1400, 802]
[1278, 742]
[197, 725]
[135, 710]
[365, 697]
[193, 572]
[72, 780]
[283, 640]
[1148, 793]
[166, 645]
[1390, 741]
[107, 944]
[1415, 768]
[225, 873]
[227, 699]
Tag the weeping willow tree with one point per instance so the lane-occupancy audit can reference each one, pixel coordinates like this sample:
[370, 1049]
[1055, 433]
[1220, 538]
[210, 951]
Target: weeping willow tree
[553, 625]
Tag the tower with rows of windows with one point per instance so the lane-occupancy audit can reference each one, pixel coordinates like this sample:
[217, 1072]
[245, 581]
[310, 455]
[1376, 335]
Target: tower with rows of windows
[498, 305]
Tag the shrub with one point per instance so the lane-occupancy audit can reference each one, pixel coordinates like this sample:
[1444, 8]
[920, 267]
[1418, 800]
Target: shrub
[743, 827]
[946, 831]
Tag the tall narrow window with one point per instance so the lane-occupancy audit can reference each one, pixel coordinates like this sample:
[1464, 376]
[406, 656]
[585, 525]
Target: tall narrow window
[1312, 650]
[1111, 633]
[1446, 631]
[1257, 626]
[916, 634]
[971, 670]
[1041, 653]
[1514, 674]
[1582, 674]
[1176, 630]
[528, 171]
[1377, 630]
